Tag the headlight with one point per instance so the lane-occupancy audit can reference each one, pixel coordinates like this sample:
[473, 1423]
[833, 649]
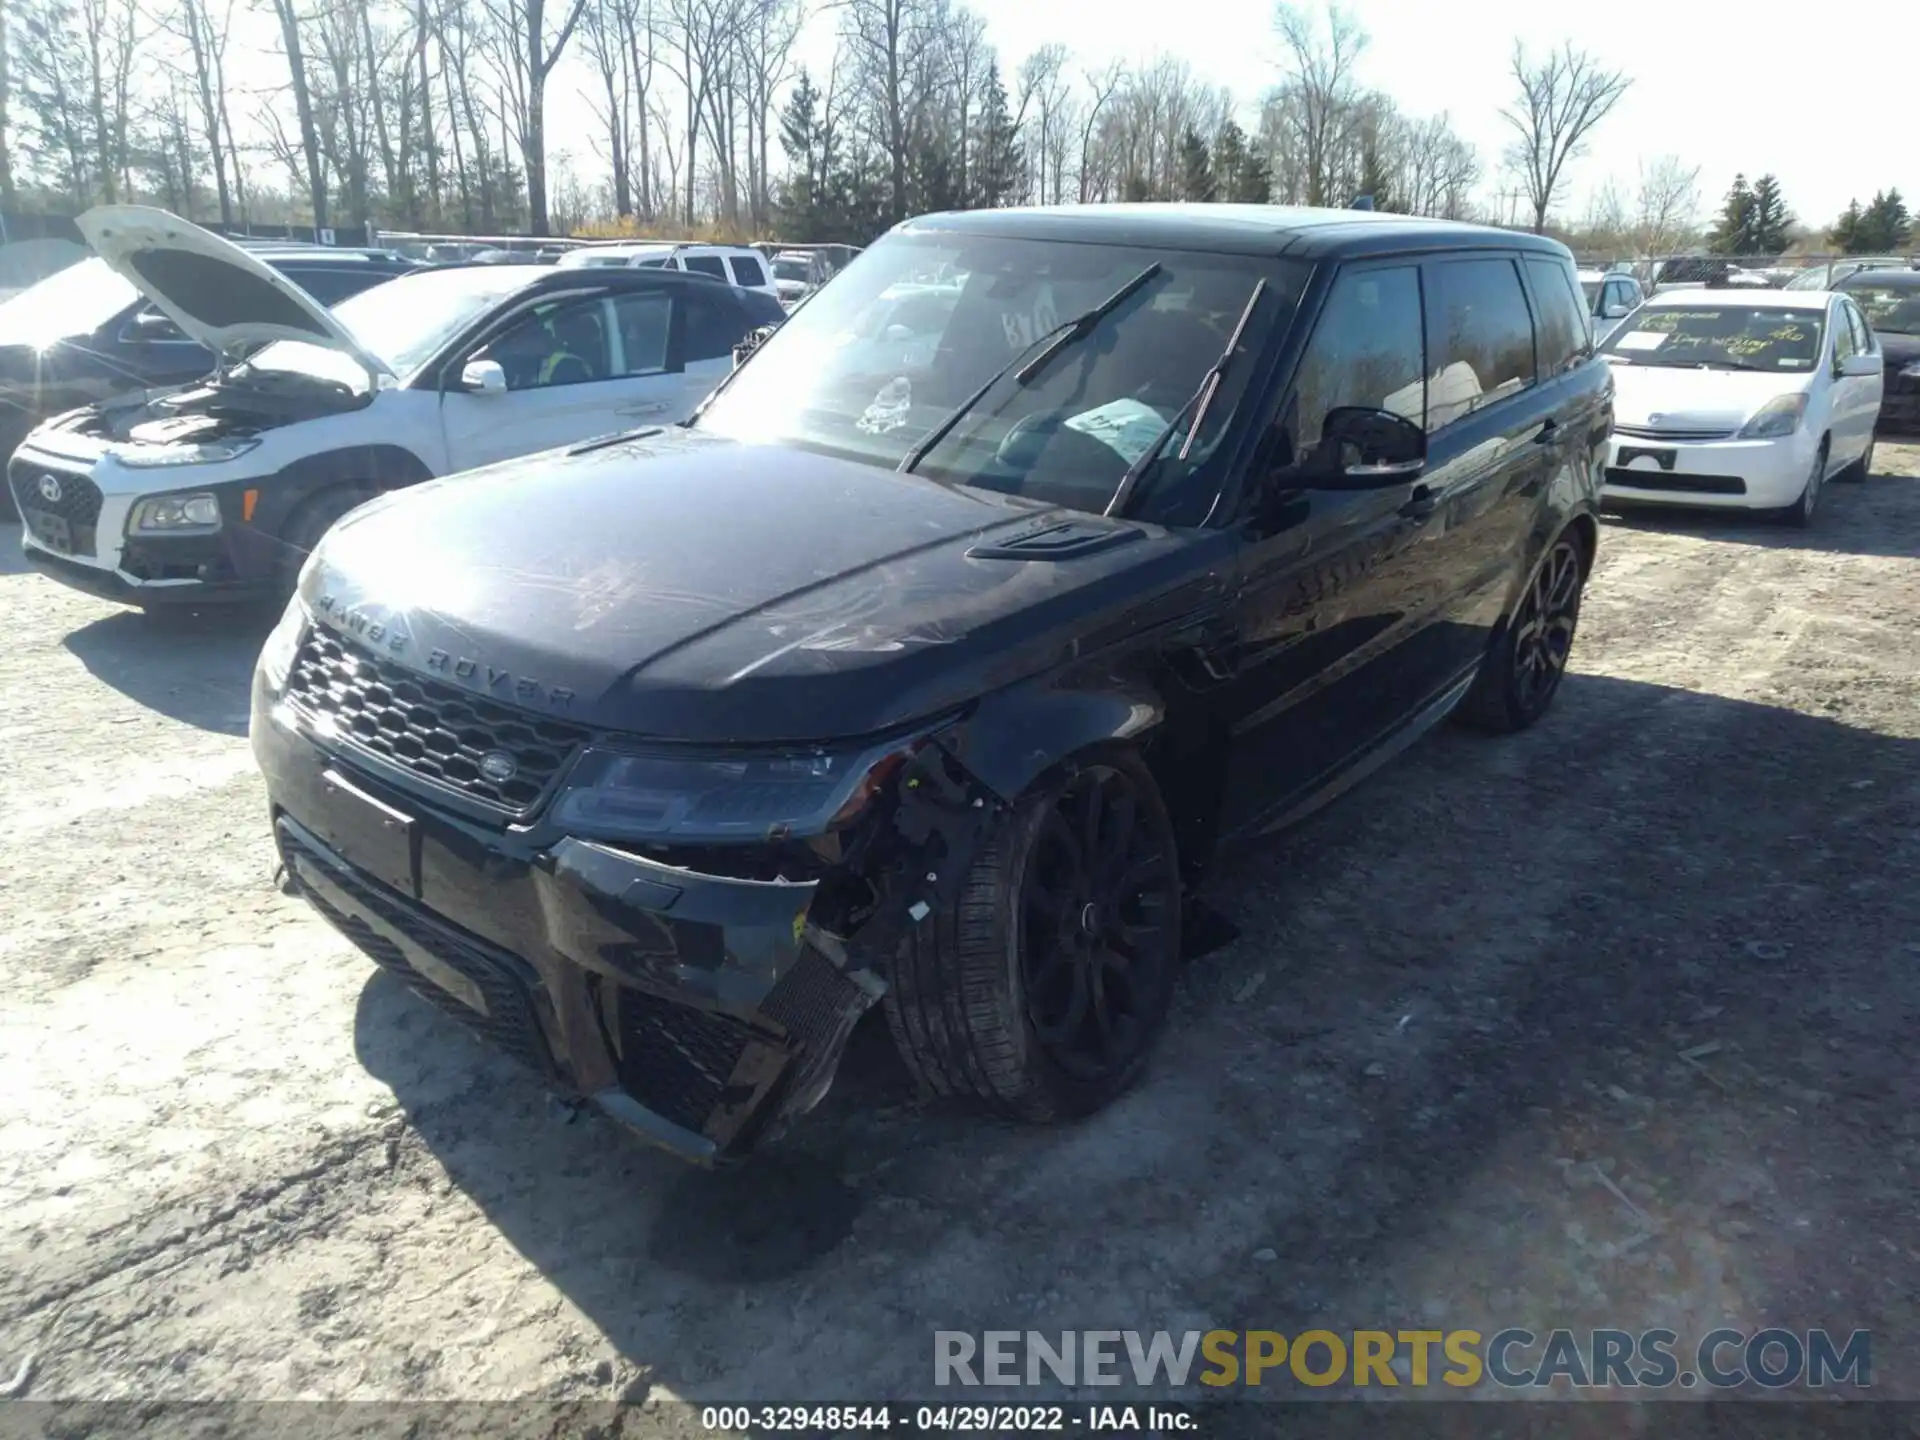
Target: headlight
[716, 798]
[171, 514]
[1779, 417]
[214, 452]
[276, 656]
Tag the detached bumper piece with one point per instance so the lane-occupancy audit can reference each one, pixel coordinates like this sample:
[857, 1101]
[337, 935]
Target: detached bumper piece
[703, 1080]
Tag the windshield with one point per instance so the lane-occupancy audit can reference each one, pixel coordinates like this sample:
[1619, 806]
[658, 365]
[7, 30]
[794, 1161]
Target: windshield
[75, 301]
[790, 269]
[1720, 337]
[880, 359]
[1892, 306]
[402, 322]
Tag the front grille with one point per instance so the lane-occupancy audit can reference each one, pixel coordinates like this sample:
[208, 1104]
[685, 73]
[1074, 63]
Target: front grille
[1671, 480]
[674, 1059]
[428, 728]
[504, 982]
[78, 503]
[1641, 432]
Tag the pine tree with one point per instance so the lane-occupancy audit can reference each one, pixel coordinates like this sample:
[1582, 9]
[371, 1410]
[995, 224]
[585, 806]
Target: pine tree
[1731, 232]
[1229, 160]
[996, 147]
[1845, 234]
[799, 203]
[1771, 220]
[1196, 168]
[1253, 181]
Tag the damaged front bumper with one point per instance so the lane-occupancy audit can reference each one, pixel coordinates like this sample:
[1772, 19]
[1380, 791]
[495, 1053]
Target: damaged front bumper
[699, 1009]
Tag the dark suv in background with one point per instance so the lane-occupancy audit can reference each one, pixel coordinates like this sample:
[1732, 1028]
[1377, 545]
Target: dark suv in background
[932, 676]
[84, 335]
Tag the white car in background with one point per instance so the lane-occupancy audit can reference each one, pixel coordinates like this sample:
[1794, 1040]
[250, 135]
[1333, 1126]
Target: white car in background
[1611, 296]
[739, 265]
[1741, 399]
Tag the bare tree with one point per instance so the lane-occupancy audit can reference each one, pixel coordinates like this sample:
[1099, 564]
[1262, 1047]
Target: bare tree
[206, 42]
[1320, 76]
[1666, 207]
[528, 44]
[290, 24]
[1561, 99]
[1102, 86]
[6, 96]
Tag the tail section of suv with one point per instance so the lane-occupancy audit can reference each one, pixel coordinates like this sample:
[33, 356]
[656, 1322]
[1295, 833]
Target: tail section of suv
[947, 671]
[217, 490]
[739, 265]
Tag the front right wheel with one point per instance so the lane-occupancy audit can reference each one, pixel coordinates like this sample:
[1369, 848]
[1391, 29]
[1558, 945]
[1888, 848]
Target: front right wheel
[1522, 670]
[1042, 991]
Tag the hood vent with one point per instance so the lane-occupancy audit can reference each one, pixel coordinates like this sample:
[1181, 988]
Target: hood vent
[1063, 540]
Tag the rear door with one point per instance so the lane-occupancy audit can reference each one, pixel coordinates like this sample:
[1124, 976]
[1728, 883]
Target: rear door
[1493, 437]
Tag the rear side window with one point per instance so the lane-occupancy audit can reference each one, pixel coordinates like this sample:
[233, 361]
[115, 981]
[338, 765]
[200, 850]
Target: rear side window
[1482, 347]
[1560, 329]
[714, 324]
[747, 271]
[705, 264]
[1366, 350]
[644, 321]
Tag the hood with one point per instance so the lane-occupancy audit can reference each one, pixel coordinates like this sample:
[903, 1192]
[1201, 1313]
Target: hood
[1898, 347]
[1654, 397]
[688, 588]
[221, 295]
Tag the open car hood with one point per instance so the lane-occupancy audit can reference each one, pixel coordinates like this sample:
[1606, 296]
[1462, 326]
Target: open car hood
[213, 290]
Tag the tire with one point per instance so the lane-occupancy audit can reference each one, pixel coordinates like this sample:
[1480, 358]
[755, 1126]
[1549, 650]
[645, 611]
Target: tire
[1799, 515]
[1524, 665]
[1860, 469]
[982, 999]
[303, 531]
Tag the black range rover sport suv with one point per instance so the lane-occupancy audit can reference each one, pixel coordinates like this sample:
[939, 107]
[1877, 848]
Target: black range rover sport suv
[928, 664]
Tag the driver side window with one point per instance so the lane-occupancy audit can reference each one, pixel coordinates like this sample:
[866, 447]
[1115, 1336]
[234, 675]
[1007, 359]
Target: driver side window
[1367, 350]
[559, 344]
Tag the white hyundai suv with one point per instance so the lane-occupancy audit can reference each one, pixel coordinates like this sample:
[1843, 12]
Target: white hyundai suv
[218, 489]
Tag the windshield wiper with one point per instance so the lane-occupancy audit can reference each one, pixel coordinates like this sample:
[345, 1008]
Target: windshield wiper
[1199, 402]
[1062, 335]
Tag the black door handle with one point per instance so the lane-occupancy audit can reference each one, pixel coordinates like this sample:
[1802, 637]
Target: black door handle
[1421, 505]
[1549, 432]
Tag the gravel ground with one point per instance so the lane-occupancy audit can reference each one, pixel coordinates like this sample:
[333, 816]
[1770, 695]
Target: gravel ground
[1669, 938]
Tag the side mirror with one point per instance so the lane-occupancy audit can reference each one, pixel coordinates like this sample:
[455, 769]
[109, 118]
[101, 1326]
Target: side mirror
[484, 377]
[153, 325]
[750, 342]
[1860, 365]
[1364, 449]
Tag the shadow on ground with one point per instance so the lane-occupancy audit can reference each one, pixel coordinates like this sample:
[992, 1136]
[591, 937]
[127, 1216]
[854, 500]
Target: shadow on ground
[1457, 989]
[1843, 524]
[195, 666]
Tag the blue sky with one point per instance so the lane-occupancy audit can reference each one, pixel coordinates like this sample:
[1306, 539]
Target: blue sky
[1733, 88]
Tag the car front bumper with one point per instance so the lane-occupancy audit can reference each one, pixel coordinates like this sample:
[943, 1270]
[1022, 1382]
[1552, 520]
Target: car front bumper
[1718, 474]
[80, 539]
[697, 1009]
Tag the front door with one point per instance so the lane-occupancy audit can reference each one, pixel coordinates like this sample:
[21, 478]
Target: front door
[1333, 583]
[575, 369]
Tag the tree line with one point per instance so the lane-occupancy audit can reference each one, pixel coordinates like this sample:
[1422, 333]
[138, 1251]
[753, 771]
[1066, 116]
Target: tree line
[433, 115]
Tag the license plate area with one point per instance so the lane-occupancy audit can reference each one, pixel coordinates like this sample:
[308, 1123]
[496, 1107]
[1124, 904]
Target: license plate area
[368, 833]
[52, 531]
[1647, 457]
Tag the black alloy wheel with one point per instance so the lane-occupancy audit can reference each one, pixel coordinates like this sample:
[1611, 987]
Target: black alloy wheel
[1041, 990]
[1097, 940]
[1528, 658]
[1544, 625]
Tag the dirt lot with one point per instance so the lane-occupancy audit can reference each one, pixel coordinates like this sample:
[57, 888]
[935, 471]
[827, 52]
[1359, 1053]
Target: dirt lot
[236, 1162]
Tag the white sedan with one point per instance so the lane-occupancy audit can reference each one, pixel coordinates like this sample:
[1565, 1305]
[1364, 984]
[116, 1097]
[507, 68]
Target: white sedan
[1742, 399]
